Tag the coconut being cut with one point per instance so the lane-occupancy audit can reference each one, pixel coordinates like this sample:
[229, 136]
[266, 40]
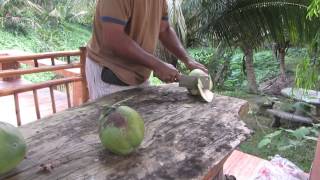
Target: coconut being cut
[198, 83]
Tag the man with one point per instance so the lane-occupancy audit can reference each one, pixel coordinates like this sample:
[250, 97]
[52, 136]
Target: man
[120, 53]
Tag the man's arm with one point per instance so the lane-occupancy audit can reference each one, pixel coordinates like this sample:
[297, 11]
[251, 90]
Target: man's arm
[170, 40]
[115, 38]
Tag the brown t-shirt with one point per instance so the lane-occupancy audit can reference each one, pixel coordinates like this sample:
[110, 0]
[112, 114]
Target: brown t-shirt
[141, 19]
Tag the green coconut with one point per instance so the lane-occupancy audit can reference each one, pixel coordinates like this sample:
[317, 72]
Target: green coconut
[121, 130]
[12, 147]
[198, 73]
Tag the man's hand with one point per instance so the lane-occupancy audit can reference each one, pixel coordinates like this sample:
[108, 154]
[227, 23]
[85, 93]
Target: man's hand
[192, 64]
[166, 72]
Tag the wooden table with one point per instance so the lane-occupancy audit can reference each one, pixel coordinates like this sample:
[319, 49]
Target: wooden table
[185, 139]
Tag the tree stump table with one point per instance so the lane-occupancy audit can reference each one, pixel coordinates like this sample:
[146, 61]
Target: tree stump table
[185, 138]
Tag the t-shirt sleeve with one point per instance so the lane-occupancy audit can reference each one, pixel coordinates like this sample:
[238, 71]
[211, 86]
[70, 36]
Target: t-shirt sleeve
[165, 15]
[115, 11]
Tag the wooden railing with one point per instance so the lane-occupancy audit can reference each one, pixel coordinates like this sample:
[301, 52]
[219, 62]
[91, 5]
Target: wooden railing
[15, 91]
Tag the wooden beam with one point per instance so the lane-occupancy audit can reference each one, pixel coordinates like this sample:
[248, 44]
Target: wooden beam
[9, 73]
[31, 87]
[5, 59]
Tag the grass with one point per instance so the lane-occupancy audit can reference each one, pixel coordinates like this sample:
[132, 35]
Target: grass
[302, 156]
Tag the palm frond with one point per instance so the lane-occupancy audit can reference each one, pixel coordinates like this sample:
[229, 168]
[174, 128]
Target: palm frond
[253, 21]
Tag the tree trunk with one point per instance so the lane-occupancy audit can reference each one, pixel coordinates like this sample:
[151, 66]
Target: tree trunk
[275, 51]
[177, 21]
[251, 76]
[220, 76]
[282, 55]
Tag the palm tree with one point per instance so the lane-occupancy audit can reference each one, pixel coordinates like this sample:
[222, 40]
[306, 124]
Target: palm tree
[249, 23]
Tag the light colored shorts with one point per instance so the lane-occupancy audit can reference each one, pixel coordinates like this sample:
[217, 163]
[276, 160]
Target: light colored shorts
[97, 88]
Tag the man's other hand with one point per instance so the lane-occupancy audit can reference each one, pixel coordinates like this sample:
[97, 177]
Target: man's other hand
[192, 64]
[166, 72]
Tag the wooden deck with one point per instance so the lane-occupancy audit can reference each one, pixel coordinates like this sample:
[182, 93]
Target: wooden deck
[243, 166]
[27, 108]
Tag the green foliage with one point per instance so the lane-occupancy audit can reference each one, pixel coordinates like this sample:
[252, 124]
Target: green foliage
[202, 55]
[265, 68]
[302, 156]
[307, 75]
[19, 16]
[38, 77]
[154, 81]
[265, 65]
[64, 37]
[285, 139]
[314, 9]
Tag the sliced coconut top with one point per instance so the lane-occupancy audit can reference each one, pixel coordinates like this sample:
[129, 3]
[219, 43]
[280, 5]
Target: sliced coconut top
[205, 93]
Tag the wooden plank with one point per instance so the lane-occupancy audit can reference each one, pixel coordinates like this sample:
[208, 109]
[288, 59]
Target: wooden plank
[53, 102]
[243, 166]
[16, 103]
[10, 91]
[36, 103]
[9, 73]
[185, 138]
[4, 59]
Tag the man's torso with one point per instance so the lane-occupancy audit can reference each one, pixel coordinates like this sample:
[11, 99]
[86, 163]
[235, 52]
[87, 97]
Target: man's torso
[143, 18]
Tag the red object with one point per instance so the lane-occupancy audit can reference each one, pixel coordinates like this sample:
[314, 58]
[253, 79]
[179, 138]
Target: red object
[315, 171]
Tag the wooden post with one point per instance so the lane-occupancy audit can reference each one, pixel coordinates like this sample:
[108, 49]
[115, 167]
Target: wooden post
[52, 61]
[16, 103]
[36, 103]
[53, 102]
[68, 95]
[85, 94]
[36, 64]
